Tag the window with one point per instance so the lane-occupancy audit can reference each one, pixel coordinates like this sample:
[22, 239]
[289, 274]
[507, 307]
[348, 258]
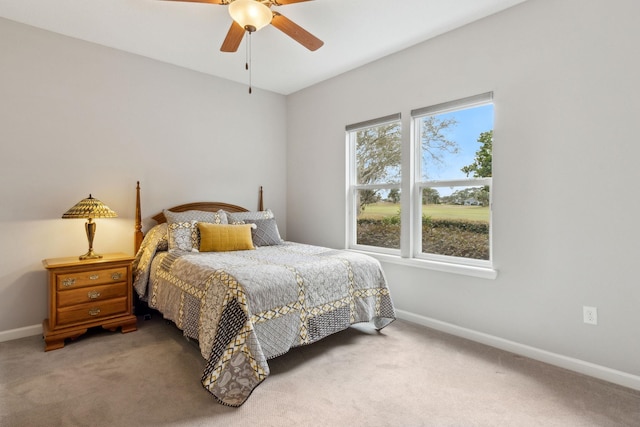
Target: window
[448, 192]
[376, 153]
[454, 143]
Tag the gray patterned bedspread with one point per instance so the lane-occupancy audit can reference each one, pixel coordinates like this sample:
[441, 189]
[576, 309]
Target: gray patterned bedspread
[246, 307]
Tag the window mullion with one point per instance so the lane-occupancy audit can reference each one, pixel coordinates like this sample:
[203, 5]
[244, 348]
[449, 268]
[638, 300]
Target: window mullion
[351, 191]
[457, 182]
[407, 216]
[377, 186]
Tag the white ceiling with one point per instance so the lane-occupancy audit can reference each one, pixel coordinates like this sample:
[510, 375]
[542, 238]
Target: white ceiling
[355, 32]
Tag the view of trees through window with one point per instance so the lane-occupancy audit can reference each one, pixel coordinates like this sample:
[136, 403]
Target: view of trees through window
[453, 180]
[378, 157]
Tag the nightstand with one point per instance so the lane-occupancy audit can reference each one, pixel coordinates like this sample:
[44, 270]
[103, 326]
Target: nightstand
[88, 293]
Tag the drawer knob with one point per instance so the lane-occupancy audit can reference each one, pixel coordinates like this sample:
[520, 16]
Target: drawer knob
[94, 277]
[68, 282]
[94, 311]
[116, 276]
[93, 294]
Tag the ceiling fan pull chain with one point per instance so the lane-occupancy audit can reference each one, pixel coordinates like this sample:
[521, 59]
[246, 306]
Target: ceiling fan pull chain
[248, 58]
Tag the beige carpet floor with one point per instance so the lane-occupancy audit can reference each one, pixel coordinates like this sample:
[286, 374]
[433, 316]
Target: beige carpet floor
[408, 375]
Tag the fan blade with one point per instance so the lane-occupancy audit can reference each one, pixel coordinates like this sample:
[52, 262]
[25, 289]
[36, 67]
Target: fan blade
[233, 39]
[204, 1]
[296, 32]
[283, 2]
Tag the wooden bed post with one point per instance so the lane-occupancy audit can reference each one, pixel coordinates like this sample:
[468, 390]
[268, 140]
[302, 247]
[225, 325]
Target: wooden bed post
[138, 233]
[260, 205]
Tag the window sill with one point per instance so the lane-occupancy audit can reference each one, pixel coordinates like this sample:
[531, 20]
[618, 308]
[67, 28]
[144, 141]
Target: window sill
[466, 270]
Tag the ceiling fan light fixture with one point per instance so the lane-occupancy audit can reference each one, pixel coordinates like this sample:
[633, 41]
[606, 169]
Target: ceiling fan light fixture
[251, 15]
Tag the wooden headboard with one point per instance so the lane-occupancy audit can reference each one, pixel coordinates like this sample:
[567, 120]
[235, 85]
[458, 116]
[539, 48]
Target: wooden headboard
[200, 206]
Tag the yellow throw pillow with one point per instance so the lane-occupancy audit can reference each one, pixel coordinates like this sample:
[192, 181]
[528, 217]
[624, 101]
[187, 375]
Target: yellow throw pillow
[225, 237]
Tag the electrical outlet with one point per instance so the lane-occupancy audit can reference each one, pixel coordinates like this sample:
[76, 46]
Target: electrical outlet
[590, 315]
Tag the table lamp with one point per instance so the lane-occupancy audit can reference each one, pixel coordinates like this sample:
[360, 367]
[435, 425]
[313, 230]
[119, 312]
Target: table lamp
[90, 208]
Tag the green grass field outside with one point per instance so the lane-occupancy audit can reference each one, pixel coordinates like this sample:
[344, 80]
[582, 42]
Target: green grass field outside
[385, 209]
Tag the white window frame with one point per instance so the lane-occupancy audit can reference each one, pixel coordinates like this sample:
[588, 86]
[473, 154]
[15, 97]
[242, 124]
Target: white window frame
[411, 185]
[419, 184]
[354, 186]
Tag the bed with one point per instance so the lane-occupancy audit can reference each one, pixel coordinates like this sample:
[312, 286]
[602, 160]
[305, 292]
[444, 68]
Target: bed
[249, 299]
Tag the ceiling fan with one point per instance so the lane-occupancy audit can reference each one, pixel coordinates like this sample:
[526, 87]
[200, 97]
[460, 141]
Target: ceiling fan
[252, 15]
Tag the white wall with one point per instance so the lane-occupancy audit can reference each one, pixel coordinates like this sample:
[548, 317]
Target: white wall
[78, 118]
[567, 101]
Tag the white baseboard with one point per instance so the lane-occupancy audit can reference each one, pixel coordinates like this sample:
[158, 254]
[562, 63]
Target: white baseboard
[14, 334]
[576, 365]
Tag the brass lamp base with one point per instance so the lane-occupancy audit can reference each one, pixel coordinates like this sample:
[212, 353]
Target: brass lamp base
[90, 228]
[90, 255]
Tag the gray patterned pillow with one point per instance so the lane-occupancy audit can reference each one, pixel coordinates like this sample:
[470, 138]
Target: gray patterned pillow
[240, 217]
[183, 227]
[266, 232]
[183, 235]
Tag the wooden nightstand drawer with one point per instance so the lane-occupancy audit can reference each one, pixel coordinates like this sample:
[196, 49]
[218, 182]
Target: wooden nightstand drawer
[91, 278]
[92, 294]
[90, 312]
